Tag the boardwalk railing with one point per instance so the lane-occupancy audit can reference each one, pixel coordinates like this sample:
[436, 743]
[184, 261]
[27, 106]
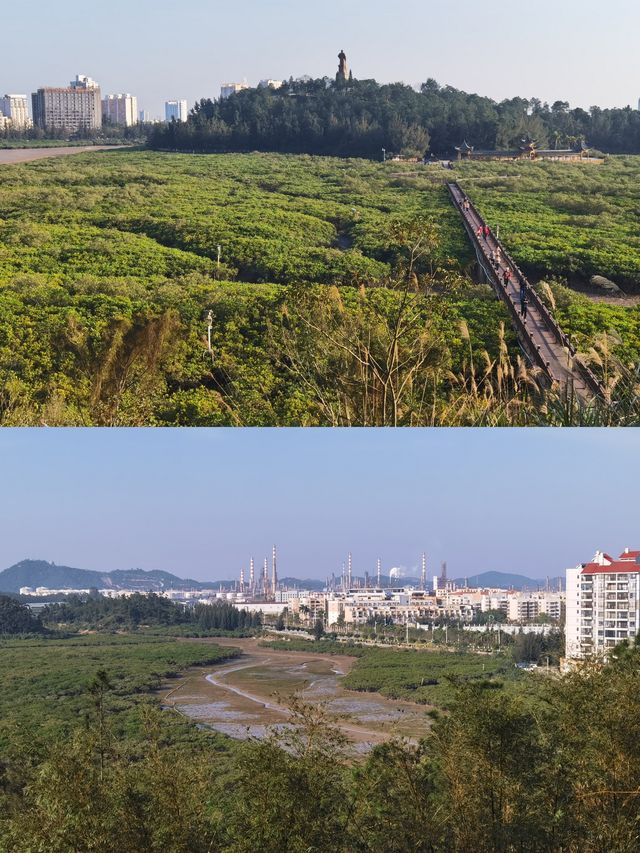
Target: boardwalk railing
[575, 365]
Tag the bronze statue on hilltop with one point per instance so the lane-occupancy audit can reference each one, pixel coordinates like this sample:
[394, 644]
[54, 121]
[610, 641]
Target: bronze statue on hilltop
[343, 69]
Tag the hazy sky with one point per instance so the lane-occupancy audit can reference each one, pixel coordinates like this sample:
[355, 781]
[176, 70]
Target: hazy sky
[202, 502]
[584, 51]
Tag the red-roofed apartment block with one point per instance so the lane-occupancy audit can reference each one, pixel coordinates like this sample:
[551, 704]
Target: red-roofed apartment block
[603, 604]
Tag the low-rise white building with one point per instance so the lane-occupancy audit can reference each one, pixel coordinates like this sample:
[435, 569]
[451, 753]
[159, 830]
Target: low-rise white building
[524, 607]
[228, 89]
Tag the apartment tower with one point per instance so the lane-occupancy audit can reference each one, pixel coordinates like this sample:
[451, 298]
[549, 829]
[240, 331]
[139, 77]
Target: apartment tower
[77, 107]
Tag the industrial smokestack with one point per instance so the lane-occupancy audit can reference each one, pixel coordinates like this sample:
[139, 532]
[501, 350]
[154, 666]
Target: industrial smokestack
[274, 571]
[379, 571]
[349, 571]
[423, 576]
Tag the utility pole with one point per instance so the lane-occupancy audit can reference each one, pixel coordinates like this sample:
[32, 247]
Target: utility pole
[219, 258]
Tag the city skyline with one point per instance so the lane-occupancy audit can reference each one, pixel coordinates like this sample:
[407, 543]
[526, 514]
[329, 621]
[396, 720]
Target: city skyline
[378, 45]
[201, 504]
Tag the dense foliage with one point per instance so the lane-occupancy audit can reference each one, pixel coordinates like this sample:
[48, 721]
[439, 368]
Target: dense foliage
[16, 618]
[361, 118]
[226, 617]
[495, 775]
[44, 681]
[128, 612]
[351, 308]
[135, 611]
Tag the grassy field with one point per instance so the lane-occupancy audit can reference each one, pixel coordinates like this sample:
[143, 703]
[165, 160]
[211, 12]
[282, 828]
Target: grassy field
[425, 677]
[109, 267]
[45, 683]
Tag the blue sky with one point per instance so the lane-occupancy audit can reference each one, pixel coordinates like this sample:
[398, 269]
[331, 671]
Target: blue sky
[201, 502]
[584, 51]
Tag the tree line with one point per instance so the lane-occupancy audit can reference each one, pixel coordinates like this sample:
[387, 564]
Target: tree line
[362, 117]
[134, 611]
[17, 618]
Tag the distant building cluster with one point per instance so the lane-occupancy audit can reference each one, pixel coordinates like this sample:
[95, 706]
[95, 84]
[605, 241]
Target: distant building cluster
[408, 605]
[603, 605]
[80, 107]
[350, 601]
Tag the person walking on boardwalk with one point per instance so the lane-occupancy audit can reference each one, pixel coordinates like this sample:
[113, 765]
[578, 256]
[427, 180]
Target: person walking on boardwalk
[523, 300]
[486, 231]
[506, 278]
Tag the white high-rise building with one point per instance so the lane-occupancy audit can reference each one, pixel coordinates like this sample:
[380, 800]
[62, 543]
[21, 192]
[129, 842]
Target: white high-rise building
[572, 622]
[270, 84]
[228, 89]
[603, 604]
[16, 109]
[176, 110]
[75, 108]
[120, 109]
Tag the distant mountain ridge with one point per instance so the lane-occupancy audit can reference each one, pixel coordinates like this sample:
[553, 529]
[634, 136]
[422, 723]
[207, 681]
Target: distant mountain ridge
[35, 573]
[507, 580]
[40, 573]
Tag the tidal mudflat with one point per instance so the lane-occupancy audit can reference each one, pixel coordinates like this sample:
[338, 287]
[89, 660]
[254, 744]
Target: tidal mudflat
[249, 697]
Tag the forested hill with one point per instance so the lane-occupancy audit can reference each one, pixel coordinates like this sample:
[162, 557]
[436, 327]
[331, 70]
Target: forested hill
[35, 573]
[360, 118]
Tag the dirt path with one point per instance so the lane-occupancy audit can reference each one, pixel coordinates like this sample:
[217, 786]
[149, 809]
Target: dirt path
[10, 156]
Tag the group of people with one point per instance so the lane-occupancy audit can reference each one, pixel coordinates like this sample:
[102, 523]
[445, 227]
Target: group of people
[483, 232]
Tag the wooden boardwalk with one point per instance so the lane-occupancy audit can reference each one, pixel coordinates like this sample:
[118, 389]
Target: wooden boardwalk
[542, 340]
